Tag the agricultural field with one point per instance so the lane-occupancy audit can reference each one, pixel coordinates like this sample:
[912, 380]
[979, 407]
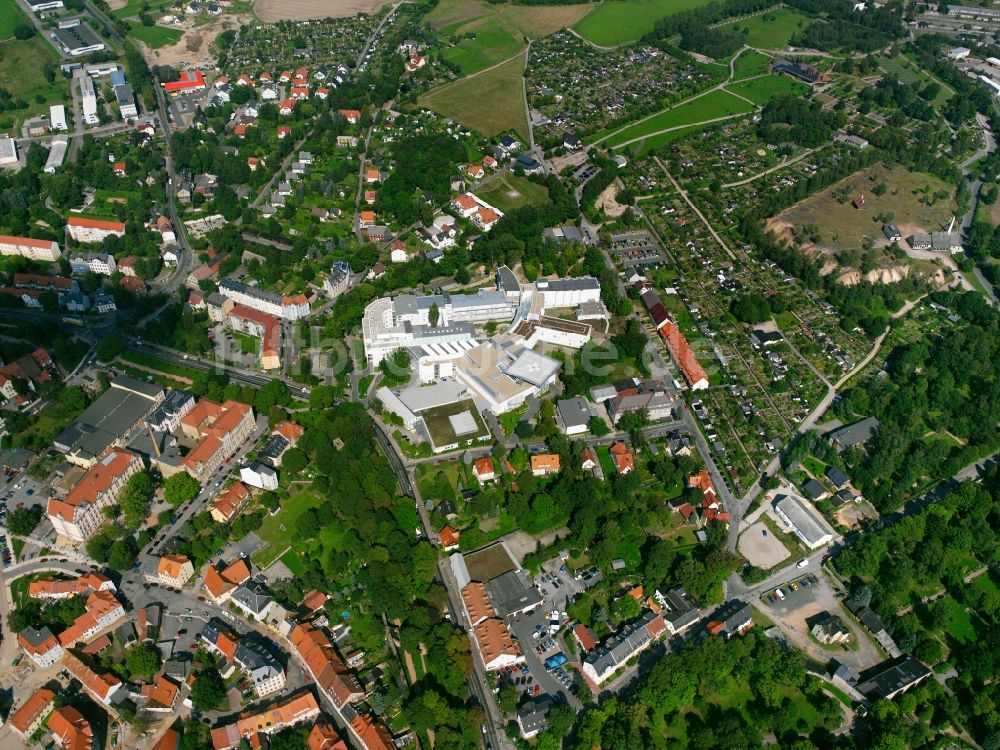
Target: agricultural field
[712, 105]
[618, 22]
[490, 102]
[156, 36]
[11, 16]
[22, 66]
[770, 30]
[486, 43]
[531, 21]
[913, 201]
[761, 90]
[509, 192]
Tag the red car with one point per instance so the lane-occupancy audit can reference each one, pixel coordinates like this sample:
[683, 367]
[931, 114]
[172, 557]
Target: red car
[538, 690]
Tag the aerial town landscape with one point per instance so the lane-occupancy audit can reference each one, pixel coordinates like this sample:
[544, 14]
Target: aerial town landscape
[463, 374]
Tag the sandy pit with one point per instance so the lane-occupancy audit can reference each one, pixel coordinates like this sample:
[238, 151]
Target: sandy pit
[301, 10]
[195, 47]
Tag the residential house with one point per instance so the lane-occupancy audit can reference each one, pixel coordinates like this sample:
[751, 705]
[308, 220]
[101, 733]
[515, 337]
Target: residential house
[543, 464]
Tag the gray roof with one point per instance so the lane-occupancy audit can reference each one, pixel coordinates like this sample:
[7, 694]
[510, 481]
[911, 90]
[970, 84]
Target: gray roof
[252, 291]
[509, 593]
[805, 520]
[532, 717]
[106, 420]
[836, 476]
[680, 611]
[855, 434]
[253, 596]
[830, 624]
[37, 637]
[554, 285]
[252, 655]
[507, 281]
[867, 617]
[620, 647]
[273, 448]
[532, 367]
[575, 412]
[171, 406]
[886, 681]
[813, 489]
[733, 615]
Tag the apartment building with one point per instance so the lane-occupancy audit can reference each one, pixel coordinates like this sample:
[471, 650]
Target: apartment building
[262, 326]
[229, 502]
[70, 730]
[83, 229]
[220, 430]
[260, 666]
[80, 515]
[294, 711]
[221, 582]
[101, 611]
[29, 717]
[28, 247]
[173, 570]
[316, 650]
[100, 687]
[280, 306]
[168, 415]
[41, 646]
[100, 263]
[50, 588]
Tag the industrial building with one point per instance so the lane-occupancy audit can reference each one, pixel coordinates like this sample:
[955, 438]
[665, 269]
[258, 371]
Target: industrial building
[57, 152]
[802, 520]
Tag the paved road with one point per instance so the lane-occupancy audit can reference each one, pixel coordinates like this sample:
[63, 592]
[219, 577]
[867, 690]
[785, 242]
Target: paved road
[205, 365]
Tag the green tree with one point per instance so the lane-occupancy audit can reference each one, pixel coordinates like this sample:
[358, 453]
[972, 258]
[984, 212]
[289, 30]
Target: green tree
[434, 314]
[598, 427]
[180, 488]
[142, 660]
[294, 461]
[22, 521]
[110, 347]
[134, 499]
[208, 690]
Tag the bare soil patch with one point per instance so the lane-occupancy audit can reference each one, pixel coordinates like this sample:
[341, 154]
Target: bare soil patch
[117, 4]
[301, 10]
[607, 202]
[195, 47]
[764, 552]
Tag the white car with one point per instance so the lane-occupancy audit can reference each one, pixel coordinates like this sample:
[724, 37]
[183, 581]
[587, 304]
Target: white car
[802, 563]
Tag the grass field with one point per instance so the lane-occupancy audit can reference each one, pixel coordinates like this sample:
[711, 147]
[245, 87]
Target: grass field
[11, 16]
[134, 7]
[762, 90]
[490, 44]
[962, 629]
[157, 364]
[156, 36]
[276, 531]
[510, 192]
[750, 63]
[908, 71]
[771, 30]
[713, 104]
[21, 72]
[490, 102]
[907, 198]
[293, 562]
[619, 22]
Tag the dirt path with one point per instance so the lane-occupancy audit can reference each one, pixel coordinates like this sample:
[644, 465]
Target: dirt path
[411, 671]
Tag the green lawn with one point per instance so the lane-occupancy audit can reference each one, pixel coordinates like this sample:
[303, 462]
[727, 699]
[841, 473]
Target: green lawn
[962, 628]
[11, 16]
[710, 106]
[656, 141]
[276, 531]
[153, 363]
[489, 44]
[22, 65]
[439, 427]
[293, 562]
[155, 36]
[750, 63]
[622, 21]
[762, 90]
[510, 191]
[770, 30]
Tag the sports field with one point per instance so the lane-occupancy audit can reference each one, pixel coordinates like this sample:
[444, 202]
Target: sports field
[762, 90]
[155, 36]
[618, 22]
[11, 16]
[486, 43]
[490, 102]
[509, 192]
[771, 30]
[714, 104]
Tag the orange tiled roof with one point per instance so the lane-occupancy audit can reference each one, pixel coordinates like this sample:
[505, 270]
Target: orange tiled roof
[494, 639]
[477, 601]
[483, 467]
[327, 667]
[42, 648]
[171, 740]
[681, 351]
[100, 685]
[289, 430]
[100, 477]
[545, 462]
[80, 585]
[82, 221]
[624, 461]
[73, 731]
[231, 499]
[373, 734]
[9, 239]
[449, 536]
[585, 636]
[465, 202]
[314, 599]
[171, 564]
[284, 714]
[31, 709]
[161, 693]
[324, 737]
